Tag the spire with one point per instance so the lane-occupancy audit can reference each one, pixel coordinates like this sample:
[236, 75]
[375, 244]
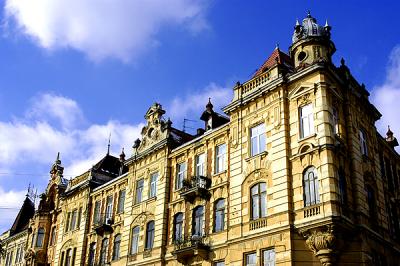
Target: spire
[277, 46]
[297, 22]
[209, 105]
[109, 144]
[309, 14]
[389, 133]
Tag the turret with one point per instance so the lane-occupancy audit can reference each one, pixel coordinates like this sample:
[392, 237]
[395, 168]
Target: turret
[311, 42]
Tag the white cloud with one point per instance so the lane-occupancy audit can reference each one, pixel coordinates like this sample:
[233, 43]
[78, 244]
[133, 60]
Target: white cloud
[53, 107]
[386, 96]
[121, 29]
[37, 139]
[193, 103]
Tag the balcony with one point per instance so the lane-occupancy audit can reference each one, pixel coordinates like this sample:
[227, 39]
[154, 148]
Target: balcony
[188, 248]
[103, 225]
[196, 186]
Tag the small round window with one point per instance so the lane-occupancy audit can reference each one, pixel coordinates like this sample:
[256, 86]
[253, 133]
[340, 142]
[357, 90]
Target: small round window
[302, 55]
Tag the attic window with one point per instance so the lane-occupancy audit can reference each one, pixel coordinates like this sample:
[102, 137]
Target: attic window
[302, 55]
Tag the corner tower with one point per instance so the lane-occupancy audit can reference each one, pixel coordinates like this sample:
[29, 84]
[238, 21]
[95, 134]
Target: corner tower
[311, 43]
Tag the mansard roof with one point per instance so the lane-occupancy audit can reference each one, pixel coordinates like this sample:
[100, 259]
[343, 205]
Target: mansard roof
[24, 215]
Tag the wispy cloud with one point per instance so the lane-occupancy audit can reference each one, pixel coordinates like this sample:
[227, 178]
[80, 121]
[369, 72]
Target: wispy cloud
[193, 103]
[386, 96]
[100, 28]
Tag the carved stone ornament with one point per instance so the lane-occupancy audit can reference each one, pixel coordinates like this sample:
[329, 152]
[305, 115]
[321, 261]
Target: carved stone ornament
[322, 243]
[304, 99]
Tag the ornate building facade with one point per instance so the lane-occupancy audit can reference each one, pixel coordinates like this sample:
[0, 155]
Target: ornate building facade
[294, 173]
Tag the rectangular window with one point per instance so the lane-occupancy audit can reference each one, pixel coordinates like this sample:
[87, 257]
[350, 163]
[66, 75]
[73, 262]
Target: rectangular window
[257, 139]
[109, 207]
[200, 164]
[121, 201]
[180, 175]
[219, 263]
[67, 224]
[73, 219]
[139, 190]
[220, 158]
[306, 121]
[53, 236]
[153, 185]
[96, 216]
[250, 259]
[335, 121]
[268, 257]
[363, 142]
[79, 218]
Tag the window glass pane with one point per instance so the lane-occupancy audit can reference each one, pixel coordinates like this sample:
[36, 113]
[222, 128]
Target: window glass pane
[198, 221]
[181, 172]
[139, 190]
[109, 207]
[220, 263]
[135, 240]
[150, 235]
[200, 164]
[269, 257]
[306, 121]
[121, 201]
[97, 212]
[153, 185]
[220, 155]
[257, 139]
[178, 226]
[40, 237]
[310, 181]
[251, 259]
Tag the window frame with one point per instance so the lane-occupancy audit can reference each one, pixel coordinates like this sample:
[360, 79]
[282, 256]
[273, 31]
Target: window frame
[40, 237]
[198, 221]
[363, 141]
[104, 251]
[259, 196]
[258, 136]
[116, 247]
[246, 258]
[310, 198]
[150, 230]
[92, 254]
[109, 207]
[181, 169]
[135, 240]
[268, 263]
[310, 120]
[220, 158]
[219, 211]
[200, 166]
[139, 189]
[153, 185]
[121, 201]
[178, 227]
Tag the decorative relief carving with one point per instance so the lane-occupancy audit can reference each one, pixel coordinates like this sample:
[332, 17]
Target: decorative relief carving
[323, 243]
[304, 99]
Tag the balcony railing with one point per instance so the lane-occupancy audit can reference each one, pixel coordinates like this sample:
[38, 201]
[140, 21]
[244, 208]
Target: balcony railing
[103, 224]
[186, 248]
[196, 186]
[312, 210]
[259, 223]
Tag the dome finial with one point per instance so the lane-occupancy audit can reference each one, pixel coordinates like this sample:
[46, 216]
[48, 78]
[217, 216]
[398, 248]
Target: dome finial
[277, 46]
[309, 14]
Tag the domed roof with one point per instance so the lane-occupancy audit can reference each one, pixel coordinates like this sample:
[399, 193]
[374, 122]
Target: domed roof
[310, 28]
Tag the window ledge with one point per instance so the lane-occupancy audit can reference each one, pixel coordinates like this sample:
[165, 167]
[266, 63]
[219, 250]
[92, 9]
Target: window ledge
[307, 137]
[220, 173]
[261, 154]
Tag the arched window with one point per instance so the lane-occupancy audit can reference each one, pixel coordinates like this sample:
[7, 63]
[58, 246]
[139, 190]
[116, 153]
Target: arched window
[219, 215]
[92, 253]
[135, 240]
[103, 253]
[197, 224]
[40, 237]
[310, 183]
[117, 244]
[149, 235]
[178, 224]
[68, 257]
[258, 201]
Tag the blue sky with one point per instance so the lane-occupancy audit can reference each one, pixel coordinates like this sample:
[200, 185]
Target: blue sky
[74, 71]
